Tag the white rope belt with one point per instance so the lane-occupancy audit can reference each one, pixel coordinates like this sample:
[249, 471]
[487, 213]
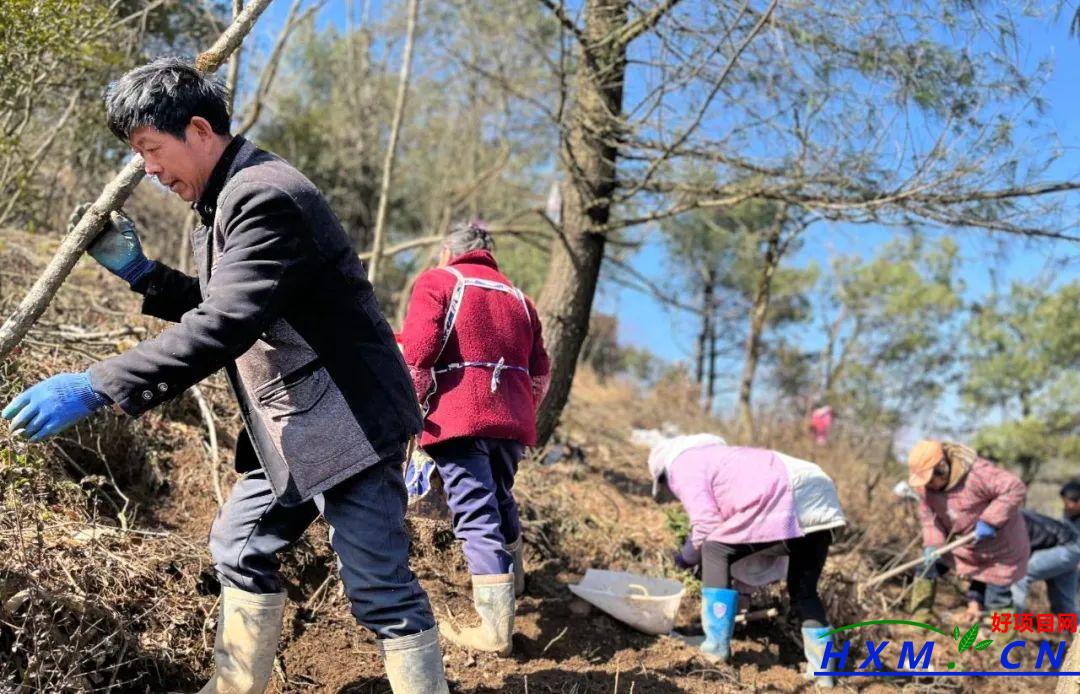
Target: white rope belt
[496, 367]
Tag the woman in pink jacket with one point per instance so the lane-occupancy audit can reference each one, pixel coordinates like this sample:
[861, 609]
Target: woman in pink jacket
[750, 501]
[960, 492]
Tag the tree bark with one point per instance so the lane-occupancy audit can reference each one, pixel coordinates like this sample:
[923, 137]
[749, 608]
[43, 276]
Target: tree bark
[703, 336]
[589, 155]
[758, 313]
[395, 129]
[112, 198]
[710, 383]
[705, 375]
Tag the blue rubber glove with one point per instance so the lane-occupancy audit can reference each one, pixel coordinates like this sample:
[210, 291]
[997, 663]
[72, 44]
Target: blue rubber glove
[117, 248]
[53, 405]
[984, 531]
[418, 471]
[928, 560]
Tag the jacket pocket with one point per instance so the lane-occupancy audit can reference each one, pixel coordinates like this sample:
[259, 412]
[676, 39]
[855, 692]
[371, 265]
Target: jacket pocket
[310, 424]
[294, 393]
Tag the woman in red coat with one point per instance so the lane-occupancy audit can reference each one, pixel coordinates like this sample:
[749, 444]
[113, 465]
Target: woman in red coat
[474, 348]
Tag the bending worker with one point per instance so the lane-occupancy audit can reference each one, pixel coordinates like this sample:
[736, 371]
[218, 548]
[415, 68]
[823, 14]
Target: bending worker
[473, 345]
[743, 502]
[959, 493]
[1055, 554]
[281, 302]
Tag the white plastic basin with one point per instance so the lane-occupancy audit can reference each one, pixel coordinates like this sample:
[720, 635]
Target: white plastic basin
[648, 604]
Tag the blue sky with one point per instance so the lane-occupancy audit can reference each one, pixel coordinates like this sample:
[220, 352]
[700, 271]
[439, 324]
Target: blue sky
[985, 259]
[645, 323]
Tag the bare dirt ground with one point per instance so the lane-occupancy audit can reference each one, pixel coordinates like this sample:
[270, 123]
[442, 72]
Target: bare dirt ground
[105, 582]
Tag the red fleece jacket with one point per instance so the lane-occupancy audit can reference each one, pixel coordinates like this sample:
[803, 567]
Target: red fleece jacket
[490, 325]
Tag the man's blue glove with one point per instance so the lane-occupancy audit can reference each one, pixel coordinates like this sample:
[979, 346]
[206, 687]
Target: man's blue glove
[117, 248]
[53, 405]
[984, 531]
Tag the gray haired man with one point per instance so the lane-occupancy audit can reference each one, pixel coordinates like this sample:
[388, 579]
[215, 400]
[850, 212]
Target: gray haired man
[281, 302]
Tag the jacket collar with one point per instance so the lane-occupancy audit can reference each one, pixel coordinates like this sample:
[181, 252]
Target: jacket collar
[206, 205]
[477, 257]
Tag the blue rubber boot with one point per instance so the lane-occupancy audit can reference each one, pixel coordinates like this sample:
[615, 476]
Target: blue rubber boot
[718, 609]
[814, 641]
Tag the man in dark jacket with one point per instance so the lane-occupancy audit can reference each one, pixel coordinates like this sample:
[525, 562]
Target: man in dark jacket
[1070, 502]
[1055, 553]
[281, 302]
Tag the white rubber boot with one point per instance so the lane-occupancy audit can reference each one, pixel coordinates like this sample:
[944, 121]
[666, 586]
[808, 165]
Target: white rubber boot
[414, 663]
[249, 626]
[493, 598]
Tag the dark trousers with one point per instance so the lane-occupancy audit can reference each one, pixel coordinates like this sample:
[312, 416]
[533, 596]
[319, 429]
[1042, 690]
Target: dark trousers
[806, 559]
[478, 475]
[366, 514]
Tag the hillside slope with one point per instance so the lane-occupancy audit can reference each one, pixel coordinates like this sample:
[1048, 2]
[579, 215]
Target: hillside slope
[105, 582]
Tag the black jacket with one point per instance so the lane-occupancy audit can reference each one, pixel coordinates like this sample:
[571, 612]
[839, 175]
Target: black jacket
[283, 304]
[1046, 532]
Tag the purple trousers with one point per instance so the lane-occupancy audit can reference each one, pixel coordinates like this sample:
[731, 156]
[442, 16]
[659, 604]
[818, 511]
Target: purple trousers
[478, 474]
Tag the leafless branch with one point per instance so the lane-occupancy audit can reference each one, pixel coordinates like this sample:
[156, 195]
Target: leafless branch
[423, 241]
[565, 20]
[269, 73]
[639, 26]
[391, 149]
[211, 431]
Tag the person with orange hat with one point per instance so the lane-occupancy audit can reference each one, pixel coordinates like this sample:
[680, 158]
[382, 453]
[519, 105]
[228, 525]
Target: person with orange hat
[959, 492]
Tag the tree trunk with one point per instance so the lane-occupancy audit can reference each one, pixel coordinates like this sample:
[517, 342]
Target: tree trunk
[589, 157]
[395, 130]
[758, 312]
[703, 336]
[710, 385]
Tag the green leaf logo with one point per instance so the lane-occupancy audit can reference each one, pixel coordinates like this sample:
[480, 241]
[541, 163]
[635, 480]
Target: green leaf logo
[968, 639]
[956, 633]
[983, 645]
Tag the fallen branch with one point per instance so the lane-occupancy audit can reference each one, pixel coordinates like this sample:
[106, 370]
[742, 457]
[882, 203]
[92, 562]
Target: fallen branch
[756, 615]
[112, 198]
[939, 552]
[552, 641]
[208, 418]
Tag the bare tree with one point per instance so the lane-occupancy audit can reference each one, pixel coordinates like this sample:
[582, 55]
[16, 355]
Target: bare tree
[863, 124]
[391, 148]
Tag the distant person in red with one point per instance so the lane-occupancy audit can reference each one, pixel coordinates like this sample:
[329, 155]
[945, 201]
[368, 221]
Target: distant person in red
[821, 419]
[473, 345]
